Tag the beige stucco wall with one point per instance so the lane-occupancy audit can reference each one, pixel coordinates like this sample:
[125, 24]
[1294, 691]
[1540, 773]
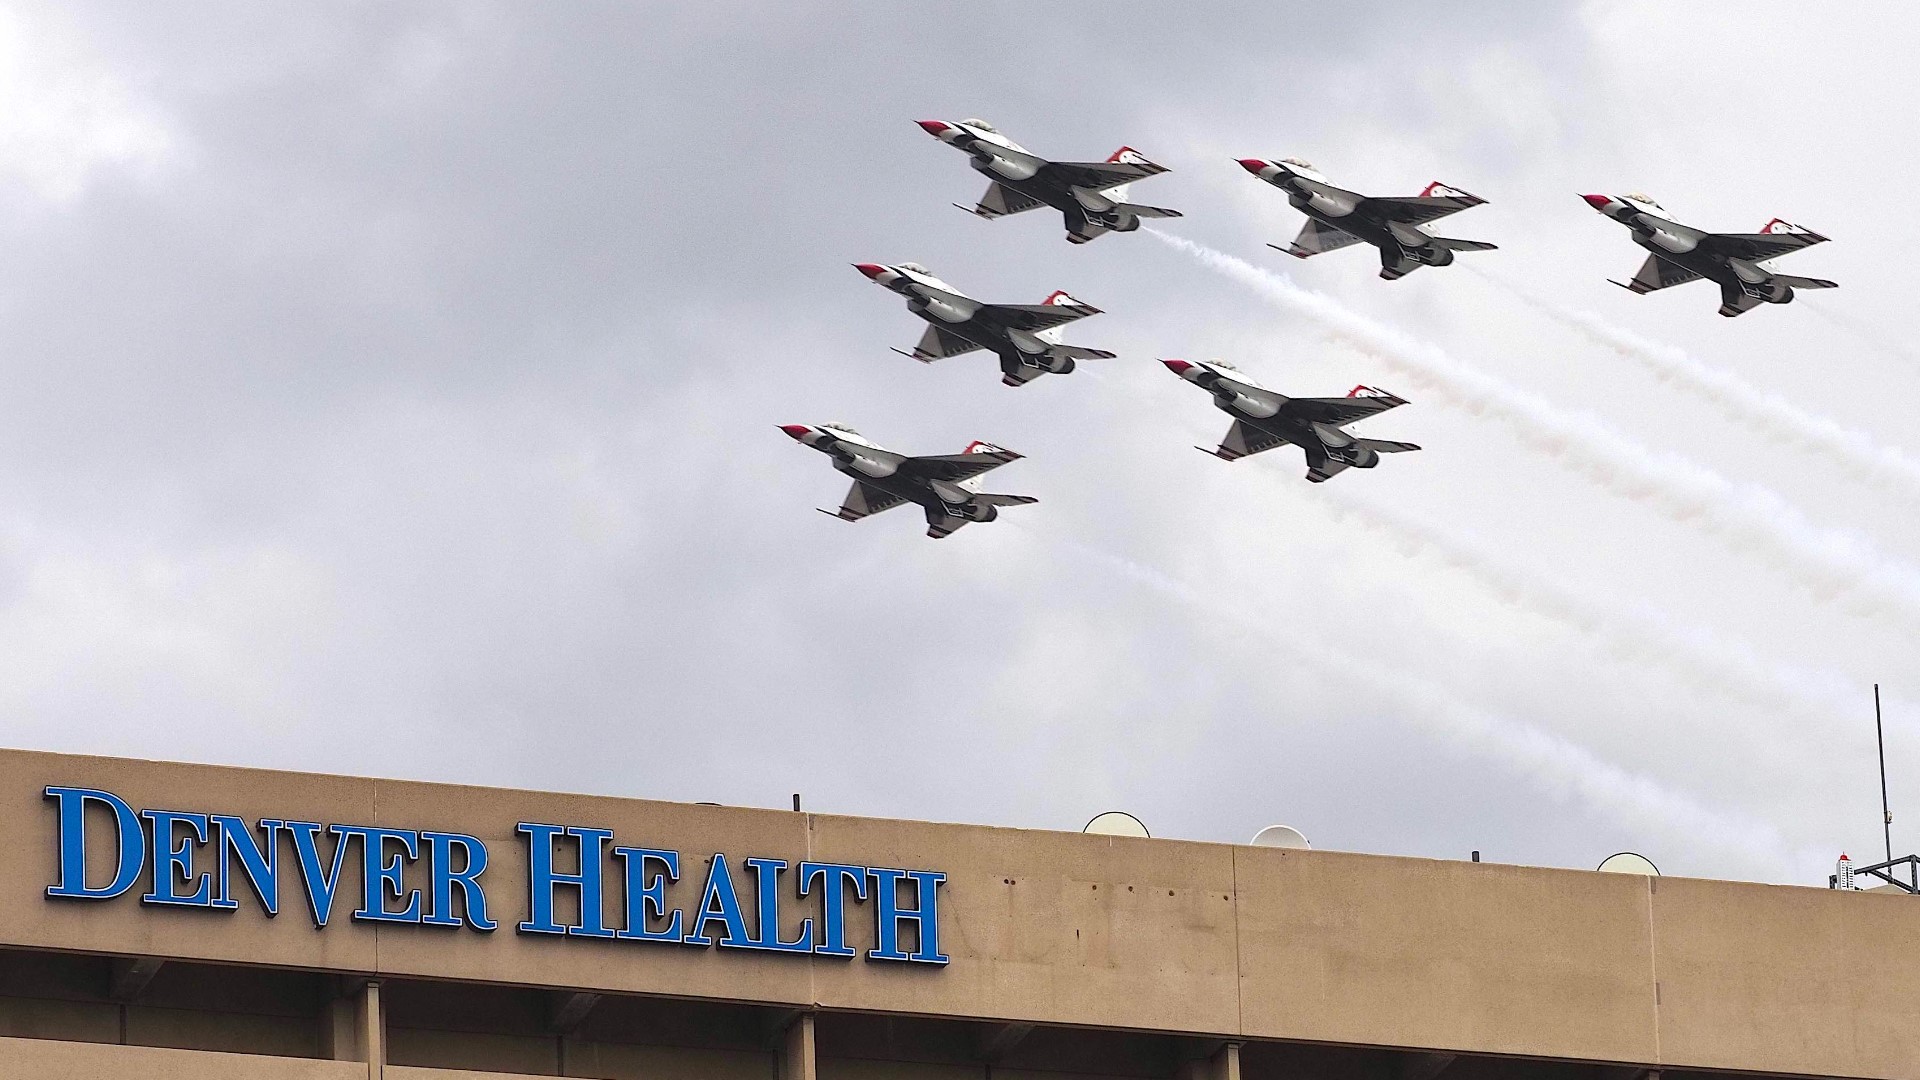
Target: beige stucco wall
[1064, 928]
[45, 1059]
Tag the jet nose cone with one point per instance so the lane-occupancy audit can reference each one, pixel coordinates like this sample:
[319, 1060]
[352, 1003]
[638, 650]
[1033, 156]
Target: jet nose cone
[1178, 367]
[798, 431]
[1252, 165]
[872, 270]
[933, 127]
[1599, 202]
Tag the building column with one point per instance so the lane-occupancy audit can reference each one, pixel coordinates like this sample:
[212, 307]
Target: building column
[373, 1030]
[796, 1050]
[340, 1023]
[354, 1027]
[1222, 1064]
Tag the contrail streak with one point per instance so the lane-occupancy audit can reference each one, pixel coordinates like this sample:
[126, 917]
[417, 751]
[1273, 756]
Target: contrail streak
[1698, 655]
[1832, 565]
[1556, 763]
[1861, 331]
[1767, 413]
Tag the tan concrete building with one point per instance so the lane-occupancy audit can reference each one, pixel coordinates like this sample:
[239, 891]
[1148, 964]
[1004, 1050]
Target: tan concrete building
[136, 941]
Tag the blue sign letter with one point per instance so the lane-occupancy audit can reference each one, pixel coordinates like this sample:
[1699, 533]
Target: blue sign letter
[73, 844]
[381, 877]
[542, 879]
[259, 861]
[173, 863]
[834, 879]
[888, 916]
[719, 904]
[767, 874]
[320, 882]
[472, 896]
[647, 897]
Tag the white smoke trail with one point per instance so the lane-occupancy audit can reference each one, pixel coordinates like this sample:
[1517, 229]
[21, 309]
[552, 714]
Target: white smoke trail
[1861, 331]
[1767, 413]
[1564, 767]
[1698, 655]
[1832, 565]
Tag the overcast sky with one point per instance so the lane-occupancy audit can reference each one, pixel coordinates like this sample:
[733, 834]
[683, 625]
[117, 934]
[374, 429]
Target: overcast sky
[391, 389]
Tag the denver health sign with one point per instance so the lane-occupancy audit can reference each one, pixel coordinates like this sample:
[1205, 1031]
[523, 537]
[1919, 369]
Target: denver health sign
[426, 878]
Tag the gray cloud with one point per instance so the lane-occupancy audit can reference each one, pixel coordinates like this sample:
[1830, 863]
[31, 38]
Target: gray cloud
[389, 389]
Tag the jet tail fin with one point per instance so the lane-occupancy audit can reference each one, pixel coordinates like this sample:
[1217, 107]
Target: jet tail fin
[1130, 156]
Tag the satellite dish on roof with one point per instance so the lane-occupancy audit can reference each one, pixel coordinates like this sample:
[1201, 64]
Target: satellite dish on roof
[1281, 836]
[1628, 862]
[1116, 823]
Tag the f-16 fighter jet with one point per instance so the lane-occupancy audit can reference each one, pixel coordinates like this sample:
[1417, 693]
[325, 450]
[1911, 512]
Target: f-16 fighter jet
[1026, 337]
[947, 486]
[1092, 194]
[1338, 217]
[1737, 262]
[1263, 420]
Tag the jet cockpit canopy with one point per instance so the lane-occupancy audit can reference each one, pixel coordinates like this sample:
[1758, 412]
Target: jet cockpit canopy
[1303, 168]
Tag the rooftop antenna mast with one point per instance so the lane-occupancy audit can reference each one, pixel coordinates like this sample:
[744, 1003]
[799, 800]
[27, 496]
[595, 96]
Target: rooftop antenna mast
[1848, 876]
[1879, 737]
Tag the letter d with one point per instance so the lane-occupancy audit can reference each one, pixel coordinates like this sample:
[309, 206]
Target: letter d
[73, 844]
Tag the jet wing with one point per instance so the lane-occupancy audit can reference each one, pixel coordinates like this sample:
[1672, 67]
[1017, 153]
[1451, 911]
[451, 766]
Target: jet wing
[1315, 237]
[1776, 239]
[1436, 202]
[1001, 200]
[1243, 439]
[1338, 410]
[864, 500]
[1657, 273]
[1040, 316]
[940, 342]
[1101, 175]
[954, 467]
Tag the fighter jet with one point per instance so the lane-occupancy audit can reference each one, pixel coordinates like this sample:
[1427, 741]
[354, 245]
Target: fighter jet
[1091, 194]
[946, 485]
[1737, 262]
[1025, 336]
[1263, 420]
[1338, 217]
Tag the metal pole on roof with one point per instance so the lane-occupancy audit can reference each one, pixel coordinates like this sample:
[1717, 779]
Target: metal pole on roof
[1879, 737]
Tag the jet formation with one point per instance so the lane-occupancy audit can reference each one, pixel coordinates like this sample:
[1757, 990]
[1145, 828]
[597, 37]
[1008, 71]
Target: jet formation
[1093, 198]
